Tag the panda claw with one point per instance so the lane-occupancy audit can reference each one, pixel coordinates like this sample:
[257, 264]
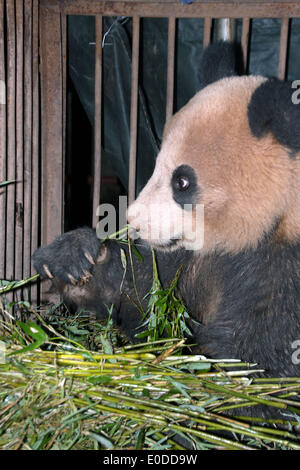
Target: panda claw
[89, 257]
[47, 271]
[72, 279]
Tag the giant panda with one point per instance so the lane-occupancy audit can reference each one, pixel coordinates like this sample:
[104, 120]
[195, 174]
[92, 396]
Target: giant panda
[234, 152]
[234, 148]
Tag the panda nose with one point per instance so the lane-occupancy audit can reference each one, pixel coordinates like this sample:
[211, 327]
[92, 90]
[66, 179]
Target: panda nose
[137, 227]
[130, 215]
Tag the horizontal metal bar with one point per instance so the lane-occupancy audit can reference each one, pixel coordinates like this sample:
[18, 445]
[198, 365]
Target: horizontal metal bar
[198, 9]
[55, 3]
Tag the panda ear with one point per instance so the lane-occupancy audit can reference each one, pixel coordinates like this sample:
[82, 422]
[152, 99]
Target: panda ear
[219, 60]
[272, 109]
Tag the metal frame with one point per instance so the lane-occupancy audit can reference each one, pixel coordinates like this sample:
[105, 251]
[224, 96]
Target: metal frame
[167, 8]
[19, 147]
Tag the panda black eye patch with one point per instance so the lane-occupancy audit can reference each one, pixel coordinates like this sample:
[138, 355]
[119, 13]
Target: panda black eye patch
[184, 185]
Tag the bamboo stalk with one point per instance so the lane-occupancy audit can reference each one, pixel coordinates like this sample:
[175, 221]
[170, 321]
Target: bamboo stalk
[77, 392]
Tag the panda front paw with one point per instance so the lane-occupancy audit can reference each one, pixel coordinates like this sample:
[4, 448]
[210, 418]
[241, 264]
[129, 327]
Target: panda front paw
[70, 257]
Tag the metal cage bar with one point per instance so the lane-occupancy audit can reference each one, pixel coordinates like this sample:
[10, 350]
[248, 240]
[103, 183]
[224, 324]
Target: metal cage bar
[11, 138]
[63, 27]
[52, 132]
[97, 118]
[52, 125]
[19, 146]
[28, 113]
[245, 41]
[284, 37]
[134, 108]
[207, 32]
[35, 139]
[3, 190]
[171, 65]
[19, 211]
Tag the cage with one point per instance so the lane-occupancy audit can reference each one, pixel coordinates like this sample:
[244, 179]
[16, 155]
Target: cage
[56, 115]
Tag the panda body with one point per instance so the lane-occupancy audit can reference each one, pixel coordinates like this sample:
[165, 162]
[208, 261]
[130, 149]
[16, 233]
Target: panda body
[246, 305]
[235, 150]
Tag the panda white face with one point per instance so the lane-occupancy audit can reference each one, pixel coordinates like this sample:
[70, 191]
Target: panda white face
[216, 186]
[166, 205]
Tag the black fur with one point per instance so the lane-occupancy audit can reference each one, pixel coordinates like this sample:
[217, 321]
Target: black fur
[271, 109]
[66, 254]
[188, 195]
[258, 315]
[221, 59]
[255, 297]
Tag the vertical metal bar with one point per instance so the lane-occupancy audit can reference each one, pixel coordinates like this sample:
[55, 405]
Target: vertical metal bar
[134, 108]
[35, 137]
[207, 32]
[52, 144]
[11, 138]
[284, 37]
[97, 117]
[226, 29]
[171, 64]
[3, 190]
[27, 134]
[52, 124]
[19, 143]
[64, 99]
[245, 41]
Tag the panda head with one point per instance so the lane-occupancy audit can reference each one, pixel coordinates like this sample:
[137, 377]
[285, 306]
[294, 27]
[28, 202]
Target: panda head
[229, 167]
